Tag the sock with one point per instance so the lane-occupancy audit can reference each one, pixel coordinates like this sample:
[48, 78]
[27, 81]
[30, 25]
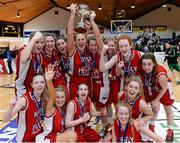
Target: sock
[170, 127]
[152, 122]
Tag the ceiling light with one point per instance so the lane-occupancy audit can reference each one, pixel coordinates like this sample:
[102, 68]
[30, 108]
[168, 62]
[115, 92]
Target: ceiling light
[68, 6]
[164, 5]
[132, 5]
[18, 14]
[100, 7]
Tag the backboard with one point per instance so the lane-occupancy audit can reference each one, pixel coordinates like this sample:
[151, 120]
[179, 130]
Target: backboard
[121, 26]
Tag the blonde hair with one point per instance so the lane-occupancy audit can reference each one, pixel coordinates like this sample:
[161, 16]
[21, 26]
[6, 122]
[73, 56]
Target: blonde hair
[124, 104]
[60, 89]
[138, 80]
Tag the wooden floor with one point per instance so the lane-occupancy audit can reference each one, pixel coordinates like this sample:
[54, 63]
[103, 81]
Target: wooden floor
[6, 92]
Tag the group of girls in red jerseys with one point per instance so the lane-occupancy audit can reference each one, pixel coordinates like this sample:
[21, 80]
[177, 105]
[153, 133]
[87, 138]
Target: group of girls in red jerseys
[63, 82]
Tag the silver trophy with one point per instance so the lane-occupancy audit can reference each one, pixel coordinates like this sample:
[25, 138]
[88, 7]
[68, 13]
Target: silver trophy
[83, 11]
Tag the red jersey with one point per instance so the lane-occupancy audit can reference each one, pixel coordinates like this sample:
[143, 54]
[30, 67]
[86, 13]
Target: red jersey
[53, 125]
[152, 93]
[79, 112]
[126, 135]
[97, 76]
[114, 85]
[29, 121]
[58, 78]
[25, 73]
[65, 63]
[100, 83]
[81, 65]
[133, 66]
[134, 105]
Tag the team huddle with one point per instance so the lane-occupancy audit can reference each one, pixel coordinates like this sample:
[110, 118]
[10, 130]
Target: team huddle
[61, 83]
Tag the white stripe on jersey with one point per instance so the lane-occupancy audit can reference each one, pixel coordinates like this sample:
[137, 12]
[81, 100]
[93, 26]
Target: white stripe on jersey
[71, 64]
[48, 127]
[22, 123]
[23, 70]
[106, 81]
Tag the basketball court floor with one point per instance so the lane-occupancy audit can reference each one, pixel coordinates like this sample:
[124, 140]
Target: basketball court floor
[8, 130]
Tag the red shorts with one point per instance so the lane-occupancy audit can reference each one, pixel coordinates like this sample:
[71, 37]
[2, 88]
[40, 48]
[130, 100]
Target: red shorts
[166, 100]
[89, 135]
[114, 90]
[96, 95]
[74, 83]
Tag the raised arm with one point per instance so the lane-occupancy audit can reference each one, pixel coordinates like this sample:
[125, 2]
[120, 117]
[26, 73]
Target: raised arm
[14, 107]
[144, 108]
[96, 31]
[104, 66]
[26, 52]
[49, 73]
[70, 30]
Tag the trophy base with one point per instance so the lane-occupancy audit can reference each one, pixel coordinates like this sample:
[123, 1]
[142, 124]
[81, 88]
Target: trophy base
[80, 30]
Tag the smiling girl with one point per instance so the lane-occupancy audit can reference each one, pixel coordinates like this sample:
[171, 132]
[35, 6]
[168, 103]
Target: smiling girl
[78, 115]
[123, 130]
[55, 110]
[81, 59]
[158, 89]
[28, 63]
[133, 95]
[127, 60]
[30, 111]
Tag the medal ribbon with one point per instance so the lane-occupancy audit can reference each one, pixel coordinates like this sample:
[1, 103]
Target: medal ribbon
[37, 63]
[39, 105]
[127, 69]
[65, 64]
[86, 60]
[82, 112]
[133, 102]
[125, 131]
[148, 82]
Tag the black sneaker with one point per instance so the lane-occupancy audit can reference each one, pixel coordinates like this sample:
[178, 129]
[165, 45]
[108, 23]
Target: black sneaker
[169, 136]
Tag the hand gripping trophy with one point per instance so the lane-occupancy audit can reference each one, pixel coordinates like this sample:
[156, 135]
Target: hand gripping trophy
[83, 11]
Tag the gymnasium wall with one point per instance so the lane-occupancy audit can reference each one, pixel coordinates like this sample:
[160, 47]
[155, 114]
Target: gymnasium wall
[50, 21]
[160, 16]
